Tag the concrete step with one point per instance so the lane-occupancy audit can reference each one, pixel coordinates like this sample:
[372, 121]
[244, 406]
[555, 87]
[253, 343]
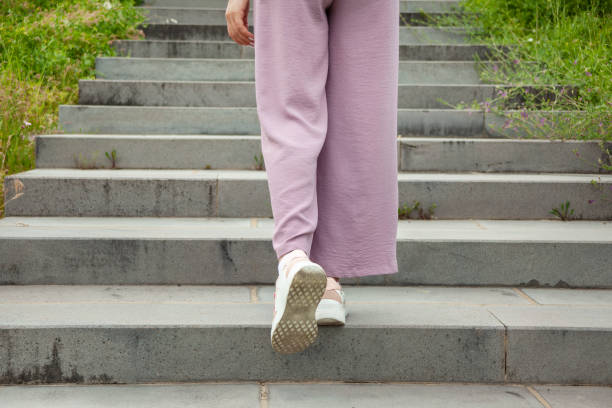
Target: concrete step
[434, 6]
[64, 334]
[277, 394]
[239, 152]
[229, 49]
[408, 35]
[216, 16]
[220, 251]
[244, 121]
[244, 193]
[192, 69]
[241, 94]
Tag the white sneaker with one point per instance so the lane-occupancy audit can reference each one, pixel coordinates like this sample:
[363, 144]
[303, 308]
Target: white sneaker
[298, 290]
[332, 307]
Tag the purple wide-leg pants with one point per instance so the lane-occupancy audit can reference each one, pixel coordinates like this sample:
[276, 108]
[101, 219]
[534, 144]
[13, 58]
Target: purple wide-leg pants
[326, 80]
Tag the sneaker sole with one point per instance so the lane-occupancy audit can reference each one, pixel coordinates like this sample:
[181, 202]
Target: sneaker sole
[334, 315]
[297, 329]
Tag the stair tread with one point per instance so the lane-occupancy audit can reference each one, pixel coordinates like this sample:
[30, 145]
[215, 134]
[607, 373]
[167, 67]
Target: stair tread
[368, 307]
[467, 230]
[407, 138]
[337, 394]
[229, 174]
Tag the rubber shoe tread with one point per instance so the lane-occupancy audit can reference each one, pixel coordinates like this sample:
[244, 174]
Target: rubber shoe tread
[297, 328]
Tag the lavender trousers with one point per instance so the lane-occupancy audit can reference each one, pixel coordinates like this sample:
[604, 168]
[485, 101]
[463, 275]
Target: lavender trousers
[326, 81]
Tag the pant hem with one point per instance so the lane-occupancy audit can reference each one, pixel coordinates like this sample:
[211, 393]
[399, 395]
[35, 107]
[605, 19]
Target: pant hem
[364, 273]
[286, 248]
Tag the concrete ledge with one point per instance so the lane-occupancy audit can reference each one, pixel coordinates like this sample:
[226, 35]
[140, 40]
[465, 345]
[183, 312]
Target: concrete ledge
[229, 49]
[242, 69]
[184, 342]
[239, 152]
[244, 193]
[123, 250]
[242, 93]
[405, 5]
[201, 14]
[408, 35]
[106, 339]
[98, 119]
[301, 394]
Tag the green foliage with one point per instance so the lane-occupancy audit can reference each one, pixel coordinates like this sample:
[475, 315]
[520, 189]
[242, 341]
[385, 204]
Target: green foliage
[404, 212]
[46, 46]
[564, 212]
[558, 45]
[112, 156]
[60, 39]
[259, 162]
[553, 42]
[496, 15]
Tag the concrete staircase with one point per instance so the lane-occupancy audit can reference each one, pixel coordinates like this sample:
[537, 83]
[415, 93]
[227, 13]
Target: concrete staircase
[139, 249]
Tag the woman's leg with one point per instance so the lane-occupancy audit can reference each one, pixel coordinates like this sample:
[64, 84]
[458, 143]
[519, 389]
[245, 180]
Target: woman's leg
[291, 61]
[357, 188]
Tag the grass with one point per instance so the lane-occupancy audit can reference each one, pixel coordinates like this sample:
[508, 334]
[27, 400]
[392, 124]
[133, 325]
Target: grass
[548, 42]
[563, 46]
[46, 46]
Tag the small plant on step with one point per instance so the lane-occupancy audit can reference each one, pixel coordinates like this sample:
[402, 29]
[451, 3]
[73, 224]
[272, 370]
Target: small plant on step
[208, 167]
[112, 156]
[600, 187]
[564, 212]
[429, 214]
[603, 164]
[405, 211]
[259, 161]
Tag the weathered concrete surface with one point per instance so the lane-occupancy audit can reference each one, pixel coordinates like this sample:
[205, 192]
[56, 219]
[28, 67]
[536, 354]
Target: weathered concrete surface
[148, 151]
[576, 397]
[243, 121]
[96, 119]
[202, 15]
[400, 395]
[160, 120]
[134, 334]
[241, 94]
[184, 342]
[125, 250]
[558, 344]
[217, 69]
[244, 193]
[408, 35]
[466, 296]
[500, 155]
[405, 5]
[228, 49]
[278, 394]
[239, 152]
[222, 395]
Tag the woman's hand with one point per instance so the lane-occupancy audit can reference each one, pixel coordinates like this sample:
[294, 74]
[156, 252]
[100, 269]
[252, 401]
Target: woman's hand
[236, 15]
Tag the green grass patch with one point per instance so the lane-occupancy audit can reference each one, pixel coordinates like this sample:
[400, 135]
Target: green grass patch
[541, 43]
[46, 46]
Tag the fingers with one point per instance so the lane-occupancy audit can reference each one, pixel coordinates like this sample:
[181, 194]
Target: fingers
[237, 28]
